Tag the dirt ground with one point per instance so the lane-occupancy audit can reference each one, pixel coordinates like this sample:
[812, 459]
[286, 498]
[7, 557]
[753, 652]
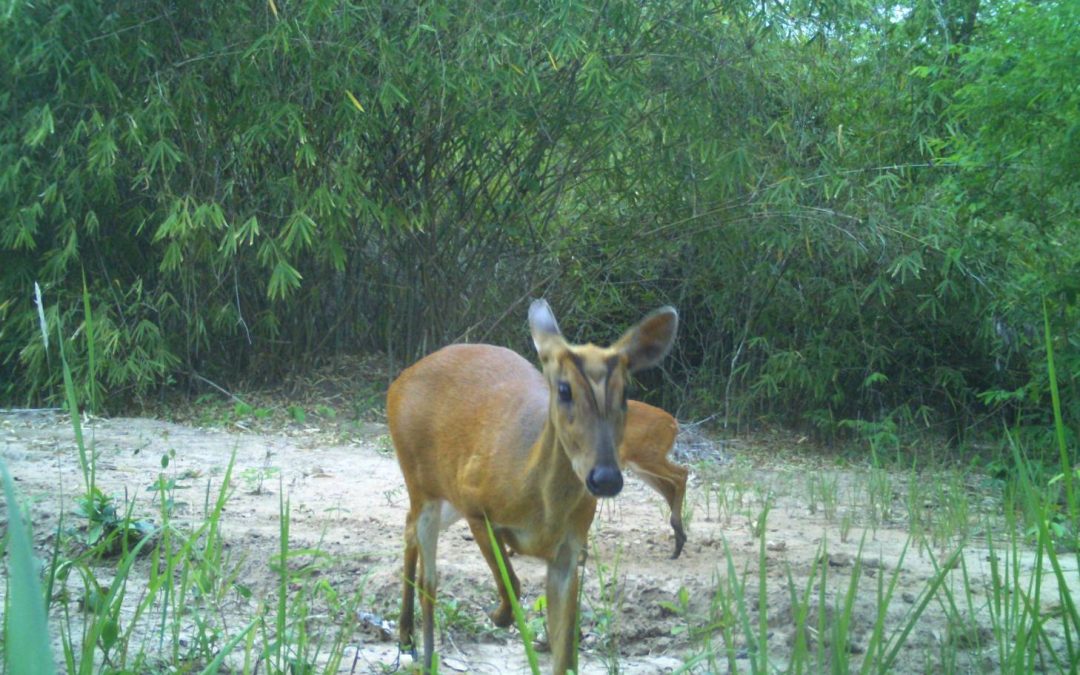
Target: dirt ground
[347, 499]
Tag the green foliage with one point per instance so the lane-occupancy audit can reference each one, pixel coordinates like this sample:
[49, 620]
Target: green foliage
[857, 208]
[1016, 120]
[240, 187]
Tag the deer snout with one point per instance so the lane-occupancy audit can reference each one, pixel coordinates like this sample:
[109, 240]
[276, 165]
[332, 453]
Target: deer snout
[604, 481]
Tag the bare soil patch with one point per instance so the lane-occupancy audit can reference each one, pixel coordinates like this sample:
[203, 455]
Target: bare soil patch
[348, 502]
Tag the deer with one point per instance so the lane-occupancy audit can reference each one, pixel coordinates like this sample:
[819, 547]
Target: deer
[481, 434]
[649, 436]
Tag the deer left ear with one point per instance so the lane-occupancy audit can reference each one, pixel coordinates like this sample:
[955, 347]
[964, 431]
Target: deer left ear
[647, 343]
[545, 330]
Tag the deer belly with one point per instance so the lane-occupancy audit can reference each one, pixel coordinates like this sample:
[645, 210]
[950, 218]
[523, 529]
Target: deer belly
[535, 543]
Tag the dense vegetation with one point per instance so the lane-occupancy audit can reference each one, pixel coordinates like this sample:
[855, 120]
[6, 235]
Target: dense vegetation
[864, 211]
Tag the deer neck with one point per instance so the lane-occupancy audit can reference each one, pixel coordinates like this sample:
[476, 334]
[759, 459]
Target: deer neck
[550, 469]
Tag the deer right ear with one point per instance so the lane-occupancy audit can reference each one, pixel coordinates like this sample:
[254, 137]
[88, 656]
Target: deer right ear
[545, 330]
[648, 342]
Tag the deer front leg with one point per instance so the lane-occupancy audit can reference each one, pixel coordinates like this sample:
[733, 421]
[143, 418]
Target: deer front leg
[562, 600]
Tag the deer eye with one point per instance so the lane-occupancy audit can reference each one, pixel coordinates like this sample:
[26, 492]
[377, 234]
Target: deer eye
[564, 392]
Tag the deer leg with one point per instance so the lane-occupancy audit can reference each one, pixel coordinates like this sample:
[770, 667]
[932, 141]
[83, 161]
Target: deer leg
[503, 615]
[562, 598]
[669, 479]
[408, 593]
[427, 536]
[676, 502]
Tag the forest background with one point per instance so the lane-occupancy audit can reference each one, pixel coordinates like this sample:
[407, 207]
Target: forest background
[866, 212]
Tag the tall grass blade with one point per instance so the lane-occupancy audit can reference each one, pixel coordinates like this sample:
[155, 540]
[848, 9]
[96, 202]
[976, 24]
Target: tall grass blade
[800, 613]
[840, 627]
[755, 652]
[1040, 513]
[519, 614]
[1059, 428]
[93, 394]
[280, 649]
[763, 597]
[26, 630]
[896, 643]
[86, 463]
[215, 665]
[876, 645]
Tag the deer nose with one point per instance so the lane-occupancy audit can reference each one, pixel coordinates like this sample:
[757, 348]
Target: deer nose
[604, 481]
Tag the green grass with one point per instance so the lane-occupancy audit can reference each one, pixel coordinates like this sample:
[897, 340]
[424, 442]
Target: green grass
[131, 588]
[727, 493]
[26, 640]
[822, 618]
[519, 613]
[171, 598]
[822, 492]
[1022, 611]
[607, 608]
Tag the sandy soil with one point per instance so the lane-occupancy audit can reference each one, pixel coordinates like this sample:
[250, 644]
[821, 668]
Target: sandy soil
[347, 499]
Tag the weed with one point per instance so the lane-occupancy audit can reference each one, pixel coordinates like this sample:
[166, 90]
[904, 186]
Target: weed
[847, 522]
[242, 410]
[456, 618]
[107, 526]
[915, 505]
[393, 495]
[822, 490]
[384, 445]
[766, 499]
[681, 609]
[607, 609]
[879, 492]
[950, 519]
[254, 478]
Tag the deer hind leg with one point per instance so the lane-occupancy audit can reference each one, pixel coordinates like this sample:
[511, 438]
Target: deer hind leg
[428, 524]
[679, 475]
[503, 615]
[408, 592]
[669, 479]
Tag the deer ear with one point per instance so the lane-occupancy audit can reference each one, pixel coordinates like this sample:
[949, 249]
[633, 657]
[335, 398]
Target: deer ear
[650, 340]
[545, 330]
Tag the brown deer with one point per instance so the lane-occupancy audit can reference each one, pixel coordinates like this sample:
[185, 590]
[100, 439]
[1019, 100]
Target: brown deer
[481, 434]
[649, 437]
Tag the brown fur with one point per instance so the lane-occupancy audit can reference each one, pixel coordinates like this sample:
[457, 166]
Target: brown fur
[650, 435]
[479, 433]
